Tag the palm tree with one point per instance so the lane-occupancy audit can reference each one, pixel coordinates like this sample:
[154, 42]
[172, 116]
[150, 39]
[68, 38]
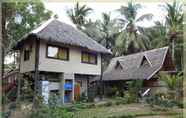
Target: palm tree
[104, 31]
[154, 37]
[129, 21]
[78, 14]
[174, 22]
[109, 31]
[174, 83]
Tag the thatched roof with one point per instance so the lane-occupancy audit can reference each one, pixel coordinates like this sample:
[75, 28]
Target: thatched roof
[59, 32]
[132, 66]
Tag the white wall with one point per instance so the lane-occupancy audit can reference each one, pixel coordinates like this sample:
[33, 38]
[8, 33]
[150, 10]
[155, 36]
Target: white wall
[29, 65]
[73, 65]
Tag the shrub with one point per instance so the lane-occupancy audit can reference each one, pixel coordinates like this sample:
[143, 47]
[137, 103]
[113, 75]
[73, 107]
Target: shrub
[50, 110]
[162, 100]
[108, 104]
[121, 100]
[123, 116]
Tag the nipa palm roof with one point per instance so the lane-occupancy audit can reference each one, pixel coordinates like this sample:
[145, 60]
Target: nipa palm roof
[56, 31]
[131, 66]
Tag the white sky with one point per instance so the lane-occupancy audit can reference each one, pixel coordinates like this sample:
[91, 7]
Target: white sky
[60, 9]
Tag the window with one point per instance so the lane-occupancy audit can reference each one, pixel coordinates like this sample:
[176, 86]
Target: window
[145, 62]
[57, 52]
[89, 58]
[118, 65]
[52, 51]
[26, 55]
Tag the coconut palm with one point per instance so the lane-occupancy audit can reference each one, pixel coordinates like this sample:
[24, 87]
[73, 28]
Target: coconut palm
[109, 31]
[174, 22]
[78, 14]
[129, 22]
[174, 83]
[154, 37]
[104, 31]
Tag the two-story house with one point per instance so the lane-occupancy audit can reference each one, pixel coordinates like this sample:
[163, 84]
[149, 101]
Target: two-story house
[62, 58]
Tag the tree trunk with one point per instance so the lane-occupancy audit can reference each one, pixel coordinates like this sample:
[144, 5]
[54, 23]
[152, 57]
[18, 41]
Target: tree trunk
[173, 46]
[1, 55]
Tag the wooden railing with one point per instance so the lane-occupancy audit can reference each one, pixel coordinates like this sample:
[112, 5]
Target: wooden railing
[9, 81]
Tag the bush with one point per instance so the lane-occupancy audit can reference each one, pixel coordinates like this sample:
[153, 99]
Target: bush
[162, 100]
[123, 116]
[107, 104]
[51, 110]
[121, 100]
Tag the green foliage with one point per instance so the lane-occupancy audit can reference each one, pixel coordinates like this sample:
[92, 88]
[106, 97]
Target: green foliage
[129, 38]
[26, 89]
[22, 17]
[123, 116]
[174, 24]
[121, 100]
[173, 82]
[78, 14]
[173, 97]
[134, 88]
[162, 100]
[52, 110]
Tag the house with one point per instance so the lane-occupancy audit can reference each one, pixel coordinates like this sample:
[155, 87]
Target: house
[62, 58]
[140, 66]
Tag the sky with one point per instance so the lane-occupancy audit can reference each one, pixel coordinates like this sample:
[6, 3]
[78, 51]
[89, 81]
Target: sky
[60, 9]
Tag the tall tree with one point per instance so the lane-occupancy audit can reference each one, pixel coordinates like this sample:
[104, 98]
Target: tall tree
[27, 14]
[155, 37]
[20, 17]
[174, 22]
[7, 12]
[129, 21]
[78, 14]
[103, 30]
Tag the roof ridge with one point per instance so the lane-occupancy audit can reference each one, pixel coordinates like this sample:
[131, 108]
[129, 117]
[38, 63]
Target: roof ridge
[144, 52]
[42, 25]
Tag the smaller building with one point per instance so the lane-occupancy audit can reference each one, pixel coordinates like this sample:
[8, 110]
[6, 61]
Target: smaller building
[140, 66]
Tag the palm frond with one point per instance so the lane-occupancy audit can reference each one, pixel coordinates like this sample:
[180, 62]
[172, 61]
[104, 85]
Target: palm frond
[145, 17]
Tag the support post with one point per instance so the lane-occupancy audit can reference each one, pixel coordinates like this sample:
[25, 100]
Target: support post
[61, 88]
[36, 74]
[73, 85]
[101, 78]
[19, 78]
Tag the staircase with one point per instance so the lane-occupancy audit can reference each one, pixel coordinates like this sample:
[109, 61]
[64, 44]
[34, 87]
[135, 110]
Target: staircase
[9, 85]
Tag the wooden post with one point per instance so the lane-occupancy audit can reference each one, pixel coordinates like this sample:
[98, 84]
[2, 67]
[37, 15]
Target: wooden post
[62, 88]
[1, 57]
[101, 78]
[73, 85]
[36, 74]
[19, 78]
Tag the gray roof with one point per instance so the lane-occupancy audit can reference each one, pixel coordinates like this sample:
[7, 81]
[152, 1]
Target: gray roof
[59, 32]
[131, 66]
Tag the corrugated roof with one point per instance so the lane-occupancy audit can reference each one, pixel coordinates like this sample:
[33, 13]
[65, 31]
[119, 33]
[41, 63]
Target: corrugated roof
[59, 32]
[132, 68]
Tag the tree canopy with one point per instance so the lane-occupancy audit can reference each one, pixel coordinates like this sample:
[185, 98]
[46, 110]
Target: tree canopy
[122, 35]
[20, 17]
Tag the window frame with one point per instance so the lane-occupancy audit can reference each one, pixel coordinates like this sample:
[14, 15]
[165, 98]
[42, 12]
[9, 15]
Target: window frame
[89, 53]
[57, 58]
[25, 58]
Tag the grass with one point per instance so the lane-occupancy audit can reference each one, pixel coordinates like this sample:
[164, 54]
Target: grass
[111, 110]
[123, 111]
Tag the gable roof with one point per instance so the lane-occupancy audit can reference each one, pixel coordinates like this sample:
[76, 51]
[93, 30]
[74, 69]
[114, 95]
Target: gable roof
[132, 68]
[145, 59]
[56, 31]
